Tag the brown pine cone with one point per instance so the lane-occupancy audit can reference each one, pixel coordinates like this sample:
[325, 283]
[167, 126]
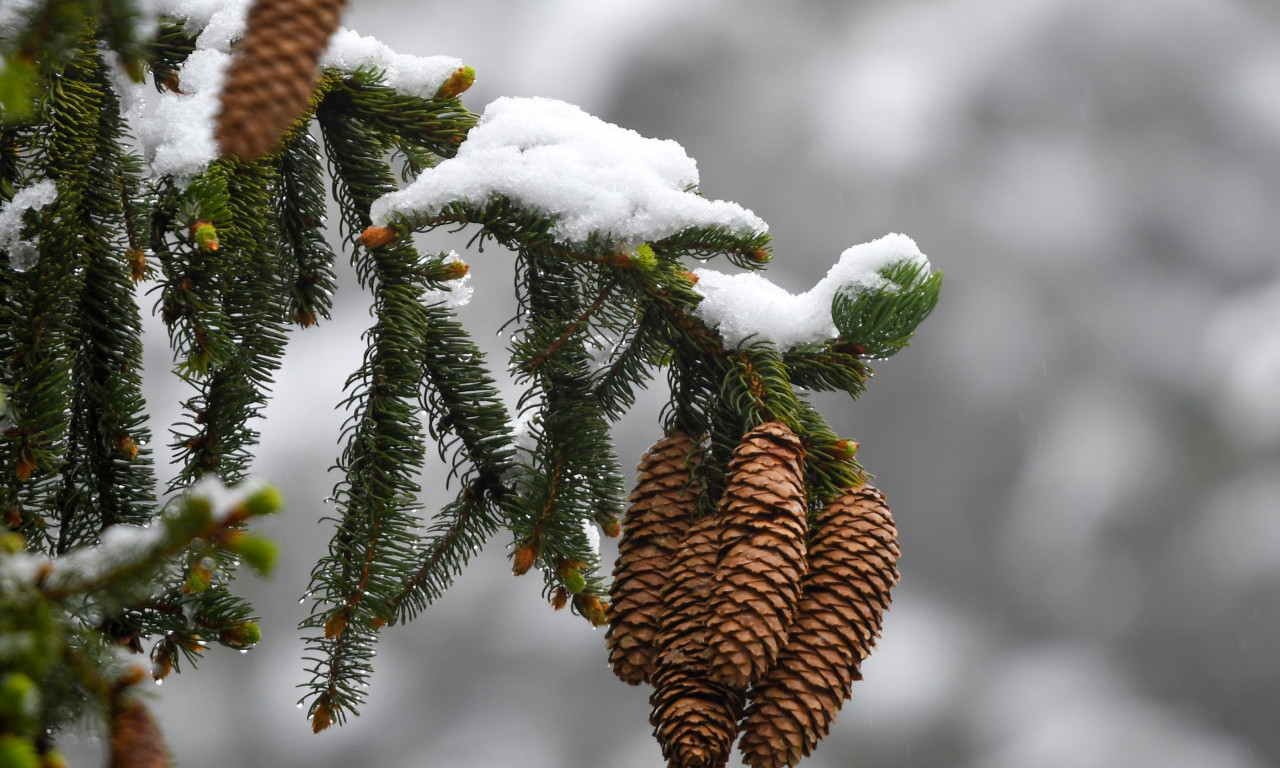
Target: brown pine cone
[136, 741]
[762, 555]
[271, 78]
[694, 718]
[652, 529]
[852, 567]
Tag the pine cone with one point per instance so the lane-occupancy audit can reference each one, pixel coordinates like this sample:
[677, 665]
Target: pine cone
[136, 741]
[762, 555]
[852, 567]
[695, 719]
[652, 529]
[270, 81]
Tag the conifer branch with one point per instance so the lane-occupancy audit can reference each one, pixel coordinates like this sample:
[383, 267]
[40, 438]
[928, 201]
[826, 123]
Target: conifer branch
[240, 251]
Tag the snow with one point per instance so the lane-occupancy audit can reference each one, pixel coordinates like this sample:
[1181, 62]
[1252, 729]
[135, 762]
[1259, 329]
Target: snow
[458, 294]
[223, 20]
[593, 536]
[177, 137]
[23, 253]
[30, 198]
[749, 306]
[592, 176]
[120, 544]
[410, 75]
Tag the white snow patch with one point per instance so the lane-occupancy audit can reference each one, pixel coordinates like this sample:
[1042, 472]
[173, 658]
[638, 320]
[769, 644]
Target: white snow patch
[593, 536]
[120, 544]
[593, 176]
[23, 254]
[749, 306]
[410, 75]
[31, 198]
[177, 138]
[458, 294]
[219, 21]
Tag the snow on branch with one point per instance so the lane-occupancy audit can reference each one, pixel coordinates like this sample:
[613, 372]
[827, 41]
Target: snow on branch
[590, 175]
[749, 306]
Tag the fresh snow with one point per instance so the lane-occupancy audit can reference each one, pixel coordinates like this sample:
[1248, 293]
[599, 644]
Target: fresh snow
[30, 198]
[120, 544]
[178, 136]
[748, 306]
[593, 536]
[593, 176]
[23, 253]
[410, 75]
[458, 294]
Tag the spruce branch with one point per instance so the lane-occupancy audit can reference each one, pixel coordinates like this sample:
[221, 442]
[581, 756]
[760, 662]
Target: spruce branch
[881, 320]
[238, 246]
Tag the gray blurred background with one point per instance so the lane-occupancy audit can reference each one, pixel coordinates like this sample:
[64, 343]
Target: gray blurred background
[1082, 447]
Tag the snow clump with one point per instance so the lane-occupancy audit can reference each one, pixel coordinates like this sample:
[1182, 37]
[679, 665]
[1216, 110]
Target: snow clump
[749, 307]
[591, 175]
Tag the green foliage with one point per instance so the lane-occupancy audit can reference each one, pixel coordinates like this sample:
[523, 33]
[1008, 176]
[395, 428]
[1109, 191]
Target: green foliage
[238, 254]
[881, 321]
[62, 617]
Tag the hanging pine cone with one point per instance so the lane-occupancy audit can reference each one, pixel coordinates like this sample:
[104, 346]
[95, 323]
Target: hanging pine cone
[694, 718]
[762, 555]
[852, 567]
[271, 78]
[653, 526]
[136, 741]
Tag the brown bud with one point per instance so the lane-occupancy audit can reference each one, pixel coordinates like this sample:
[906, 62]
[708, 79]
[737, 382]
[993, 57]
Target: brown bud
[162, 658]
[377, 237]
[459, 81]
[559, 598]
[335, 625]
[843, 449]
[26, 465]
[524, 557]
[138, 269]
[592, 608]
[321, 715]
[455, 270]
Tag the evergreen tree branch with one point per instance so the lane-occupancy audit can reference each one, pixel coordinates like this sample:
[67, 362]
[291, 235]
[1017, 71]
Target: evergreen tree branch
[356, 584]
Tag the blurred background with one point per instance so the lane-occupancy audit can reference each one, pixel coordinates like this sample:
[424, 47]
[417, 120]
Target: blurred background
[1082, 446]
